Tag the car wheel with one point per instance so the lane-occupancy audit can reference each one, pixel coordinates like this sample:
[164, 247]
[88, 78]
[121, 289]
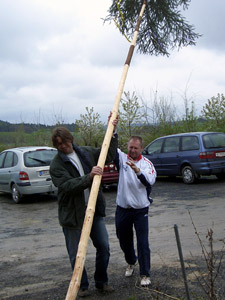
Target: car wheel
[188, 175]
[16, 196]
[220, 176]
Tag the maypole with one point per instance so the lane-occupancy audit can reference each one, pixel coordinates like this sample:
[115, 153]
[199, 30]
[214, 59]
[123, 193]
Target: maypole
[88, 220]
[163, 27]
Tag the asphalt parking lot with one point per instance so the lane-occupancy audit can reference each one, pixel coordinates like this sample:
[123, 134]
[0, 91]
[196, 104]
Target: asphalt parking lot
[33, 259]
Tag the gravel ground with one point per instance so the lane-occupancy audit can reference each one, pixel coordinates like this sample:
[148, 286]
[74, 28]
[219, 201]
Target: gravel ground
[34, 264]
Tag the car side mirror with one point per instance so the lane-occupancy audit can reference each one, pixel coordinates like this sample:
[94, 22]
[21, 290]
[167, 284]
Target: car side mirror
[145, 151]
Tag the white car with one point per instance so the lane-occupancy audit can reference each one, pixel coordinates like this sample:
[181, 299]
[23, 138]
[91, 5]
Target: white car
[25, 171]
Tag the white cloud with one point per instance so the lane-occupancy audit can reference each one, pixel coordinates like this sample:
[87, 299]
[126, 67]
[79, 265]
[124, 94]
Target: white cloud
[57, 58]
[208, 19]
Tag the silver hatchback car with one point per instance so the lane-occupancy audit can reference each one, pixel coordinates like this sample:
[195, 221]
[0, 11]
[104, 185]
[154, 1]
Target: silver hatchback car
[25, 171]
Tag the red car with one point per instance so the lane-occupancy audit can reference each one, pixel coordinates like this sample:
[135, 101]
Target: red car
[110, 174]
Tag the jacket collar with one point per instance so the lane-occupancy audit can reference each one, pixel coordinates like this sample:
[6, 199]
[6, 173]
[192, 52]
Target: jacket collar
[139, 157]
[84, 159]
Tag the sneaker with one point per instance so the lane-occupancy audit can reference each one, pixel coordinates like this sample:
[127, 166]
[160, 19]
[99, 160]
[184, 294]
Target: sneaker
[129, 270]
[145, 281]
[106, 289]
[84, 293]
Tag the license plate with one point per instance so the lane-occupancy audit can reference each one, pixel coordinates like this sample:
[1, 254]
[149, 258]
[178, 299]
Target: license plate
[220, 154]
[44, 173]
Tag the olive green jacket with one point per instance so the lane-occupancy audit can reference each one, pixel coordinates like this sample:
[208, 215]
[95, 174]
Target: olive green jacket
[71, 185]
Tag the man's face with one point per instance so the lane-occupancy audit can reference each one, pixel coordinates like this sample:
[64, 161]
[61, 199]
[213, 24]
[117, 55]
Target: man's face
[134, 149]
[65, 147]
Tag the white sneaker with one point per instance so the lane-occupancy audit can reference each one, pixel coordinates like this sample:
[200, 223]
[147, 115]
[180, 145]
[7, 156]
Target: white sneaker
[129, 271]
[145, 281]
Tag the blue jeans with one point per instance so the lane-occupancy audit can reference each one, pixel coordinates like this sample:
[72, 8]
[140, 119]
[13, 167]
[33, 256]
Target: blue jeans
[125, 220]
[99, 237]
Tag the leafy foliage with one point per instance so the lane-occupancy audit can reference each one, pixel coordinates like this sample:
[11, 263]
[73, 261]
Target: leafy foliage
[214, 112]
[131, 118]
[90, 128]
[162, 28]
[150, 120]
[130, 114]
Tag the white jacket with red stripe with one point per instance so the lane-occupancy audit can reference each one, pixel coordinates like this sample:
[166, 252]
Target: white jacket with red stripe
[134, 190]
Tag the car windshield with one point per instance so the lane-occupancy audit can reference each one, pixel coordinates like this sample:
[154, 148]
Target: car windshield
[214, 140]
[40, 157]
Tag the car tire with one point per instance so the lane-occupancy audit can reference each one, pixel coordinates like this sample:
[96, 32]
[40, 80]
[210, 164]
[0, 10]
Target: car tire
[220, 176]
[188, 175]
[16, 196]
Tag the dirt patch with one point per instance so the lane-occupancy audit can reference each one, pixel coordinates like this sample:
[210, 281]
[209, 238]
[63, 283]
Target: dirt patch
[34, 263]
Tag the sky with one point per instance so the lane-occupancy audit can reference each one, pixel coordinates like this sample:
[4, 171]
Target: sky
[57, 58]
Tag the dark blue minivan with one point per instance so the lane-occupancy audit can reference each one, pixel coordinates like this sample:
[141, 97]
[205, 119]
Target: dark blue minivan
[189, 155]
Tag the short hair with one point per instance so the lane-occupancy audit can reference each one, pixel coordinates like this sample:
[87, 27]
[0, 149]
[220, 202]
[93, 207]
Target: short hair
[136, 138]
[63, 133]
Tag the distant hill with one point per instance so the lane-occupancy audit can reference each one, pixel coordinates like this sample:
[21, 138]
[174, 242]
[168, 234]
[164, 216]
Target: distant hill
[29, 128]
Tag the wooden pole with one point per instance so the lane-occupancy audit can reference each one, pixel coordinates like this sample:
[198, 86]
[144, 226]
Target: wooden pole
[88, 220]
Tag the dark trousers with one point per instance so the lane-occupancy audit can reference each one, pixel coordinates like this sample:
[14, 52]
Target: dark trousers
[99, 237]
[126, 219]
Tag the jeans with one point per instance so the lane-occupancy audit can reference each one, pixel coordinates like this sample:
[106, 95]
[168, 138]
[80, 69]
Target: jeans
[99, 237]
[125, 220]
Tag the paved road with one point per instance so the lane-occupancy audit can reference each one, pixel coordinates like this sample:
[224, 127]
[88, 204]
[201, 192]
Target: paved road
[33, 258]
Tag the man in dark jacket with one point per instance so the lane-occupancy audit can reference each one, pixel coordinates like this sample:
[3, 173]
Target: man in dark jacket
[72, 171]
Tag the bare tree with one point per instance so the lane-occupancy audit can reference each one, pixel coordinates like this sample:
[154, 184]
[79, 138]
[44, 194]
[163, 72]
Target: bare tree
[161, 117]
[190, 119]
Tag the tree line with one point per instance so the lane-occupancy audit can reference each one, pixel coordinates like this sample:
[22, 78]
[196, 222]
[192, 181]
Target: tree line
[29, 127]
[150, 119]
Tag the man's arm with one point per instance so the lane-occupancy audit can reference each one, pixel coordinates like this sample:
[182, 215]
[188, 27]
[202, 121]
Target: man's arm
[112, 148]
[68, 183]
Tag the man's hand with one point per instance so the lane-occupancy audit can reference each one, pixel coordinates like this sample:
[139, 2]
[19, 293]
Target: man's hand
[114, 122]
[133, 166]
[96, 170]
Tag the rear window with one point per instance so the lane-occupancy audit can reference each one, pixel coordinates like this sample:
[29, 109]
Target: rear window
[39, 158]
[214, 140]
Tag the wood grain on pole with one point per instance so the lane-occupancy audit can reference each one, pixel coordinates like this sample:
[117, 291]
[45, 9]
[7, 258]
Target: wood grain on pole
[88, 220]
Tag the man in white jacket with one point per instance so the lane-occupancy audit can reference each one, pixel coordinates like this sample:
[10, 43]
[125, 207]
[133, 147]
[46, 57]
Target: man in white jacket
[136, 176]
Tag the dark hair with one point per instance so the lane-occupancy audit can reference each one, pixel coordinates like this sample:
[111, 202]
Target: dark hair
[136, 138]
[63, 133]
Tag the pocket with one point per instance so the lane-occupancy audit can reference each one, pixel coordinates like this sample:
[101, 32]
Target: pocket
[67, 217]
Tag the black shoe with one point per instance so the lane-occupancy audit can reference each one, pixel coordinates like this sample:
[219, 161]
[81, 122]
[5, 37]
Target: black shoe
[84, 293]
[106, 289]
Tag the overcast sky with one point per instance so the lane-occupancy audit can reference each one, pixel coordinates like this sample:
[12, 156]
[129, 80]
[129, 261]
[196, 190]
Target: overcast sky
[57, 57]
